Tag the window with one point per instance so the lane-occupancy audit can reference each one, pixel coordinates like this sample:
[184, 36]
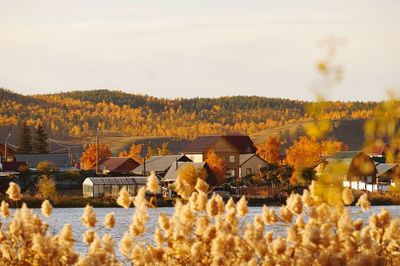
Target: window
[101, 190]
[248, 171]
[232, 158]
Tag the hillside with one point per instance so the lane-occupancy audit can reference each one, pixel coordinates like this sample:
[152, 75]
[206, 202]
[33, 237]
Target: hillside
[76, 115]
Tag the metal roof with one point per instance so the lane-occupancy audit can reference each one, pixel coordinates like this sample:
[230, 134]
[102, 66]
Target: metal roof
[384, 167]
[119, 180]
[160, 163]
[201, 144]
[172, 173]
[245, 157]
[59, 159]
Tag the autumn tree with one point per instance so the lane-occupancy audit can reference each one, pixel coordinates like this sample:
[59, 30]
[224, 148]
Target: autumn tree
[217, 166]
[46, 167]
[40, 140]
[164, 149]
[88, 158]
[24, 139]
[269, 151]
[47, 187]
[306, 153]
[187, 178]
[134, 152]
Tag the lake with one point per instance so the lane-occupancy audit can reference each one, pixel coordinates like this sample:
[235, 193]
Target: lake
[123, 217]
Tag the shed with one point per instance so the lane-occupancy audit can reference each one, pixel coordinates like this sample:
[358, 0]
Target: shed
[111, 186]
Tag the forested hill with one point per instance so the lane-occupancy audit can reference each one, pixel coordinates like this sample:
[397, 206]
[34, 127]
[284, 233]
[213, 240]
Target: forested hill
[231, 103]
[79, 113]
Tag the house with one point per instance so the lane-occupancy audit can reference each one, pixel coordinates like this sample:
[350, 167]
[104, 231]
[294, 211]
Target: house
[386, 175]
[159, 164]
[10, 153]
[117, 165]
[357, 169]
[223, 147]
[111, 186]
[250, 164]
[61, 160]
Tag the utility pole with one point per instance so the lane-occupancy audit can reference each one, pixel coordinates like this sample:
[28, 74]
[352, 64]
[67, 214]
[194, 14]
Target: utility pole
[5, 147]
[97, 151]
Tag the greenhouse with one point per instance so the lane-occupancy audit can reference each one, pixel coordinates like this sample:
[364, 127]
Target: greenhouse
[110, 186]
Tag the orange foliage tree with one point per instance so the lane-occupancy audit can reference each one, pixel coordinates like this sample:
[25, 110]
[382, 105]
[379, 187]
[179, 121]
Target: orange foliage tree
[306, 152]
[88, 158]
[217, 166]
[269, 150]
[134, 152]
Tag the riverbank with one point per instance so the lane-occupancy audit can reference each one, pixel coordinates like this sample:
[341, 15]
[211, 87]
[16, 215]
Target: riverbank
[376, 198]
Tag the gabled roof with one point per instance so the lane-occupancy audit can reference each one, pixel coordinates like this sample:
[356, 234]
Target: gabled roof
[117, 164]
[241, 142]
[160, 163]
[200, 144]
[59, 159]
[382, 168]
[172, 173]
[345, 154]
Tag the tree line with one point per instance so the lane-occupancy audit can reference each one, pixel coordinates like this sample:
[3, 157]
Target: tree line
[79, 114]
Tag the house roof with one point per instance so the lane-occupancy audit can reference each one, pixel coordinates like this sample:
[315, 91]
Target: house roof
[173, 171]
[345, 154]
[200, 144]
[382, 168]
[117, 164]
[241, 142]
[59, 159]
[118, 180]
[10, 151]
[160, 163]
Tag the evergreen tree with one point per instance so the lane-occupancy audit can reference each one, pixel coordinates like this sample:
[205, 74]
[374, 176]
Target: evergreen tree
[40, 140]
[24, 139]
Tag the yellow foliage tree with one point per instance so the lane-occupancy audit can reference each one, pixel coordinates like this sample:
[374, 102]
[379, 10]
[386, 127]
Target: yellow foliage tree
[134, 152]
[269, 150]
[88, 158]
[47, 187]
[217, 166]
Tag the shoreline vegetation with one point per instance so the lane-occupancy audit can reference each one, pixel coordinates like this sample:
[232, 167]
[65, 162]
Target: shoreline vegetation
[376, 199]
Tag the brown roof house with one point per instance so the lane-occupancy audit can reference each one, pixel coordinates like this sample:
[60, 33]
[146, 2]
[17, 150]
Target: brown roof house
[226, 147]
[117, 165]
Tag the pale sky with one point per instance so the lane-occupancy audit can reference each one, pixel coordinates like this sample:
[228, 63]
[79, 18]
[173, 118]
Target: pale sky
[206, 48]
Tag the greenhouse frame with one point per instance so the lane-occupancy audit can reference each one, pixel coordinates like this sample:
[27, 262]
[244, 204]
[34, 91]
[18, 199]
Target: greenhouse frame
[111, 186]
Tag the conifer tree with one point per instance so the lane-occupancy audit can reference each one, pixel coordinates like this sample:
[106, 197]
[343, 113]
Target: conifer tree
[24, 139]
[40, 140]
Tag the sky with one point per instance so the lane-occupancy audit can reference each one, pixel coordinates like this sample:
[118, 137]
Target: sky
[206, 48]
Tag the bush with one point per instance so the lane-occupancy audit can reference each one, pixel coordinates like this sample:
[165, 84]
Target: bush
[47, 188]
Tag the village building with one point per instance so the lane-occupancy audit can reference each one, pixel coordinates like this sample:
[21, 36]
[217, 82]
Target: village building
[61, 160]
[111, 186]
[250, 164]
[357, 169]
[10, 153]
[117, 165]
[226, 147]
[159, 164]
[175, 169]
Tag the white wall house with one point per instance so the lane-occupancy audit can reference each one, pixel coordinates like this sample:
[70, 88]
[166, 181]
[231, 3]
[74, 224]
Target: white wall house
[250, 164]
